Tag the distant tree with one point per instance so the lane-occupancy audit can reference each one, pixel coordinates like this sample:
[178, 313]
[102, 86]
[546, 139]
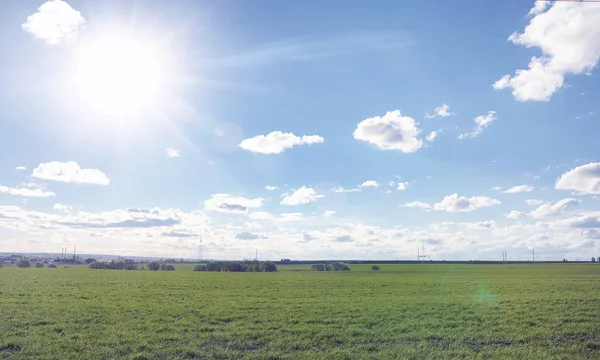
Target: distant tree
[51, 266]
[234, 267]
[374, 267]
[269, 266]
[214, 266]
[154, 266]
[90, 260]
[340, 267]
[39, 264]
[23, 263]
[170, 268]
[321, 267]
[593, 259]
[200, 268]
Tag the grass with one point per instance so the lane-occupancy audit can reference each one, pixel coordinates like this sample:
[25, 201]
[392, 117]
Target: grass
[401, 311]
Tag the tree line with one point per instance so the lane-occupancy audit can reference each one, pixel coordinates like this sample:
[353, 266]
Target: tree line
[330, 267]
[232, 266]
[130, 265]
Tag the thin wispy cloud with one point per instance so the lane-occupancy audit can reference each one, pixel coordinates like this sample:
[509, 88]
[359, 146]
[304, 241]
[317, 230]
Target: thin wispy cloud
[310, 48]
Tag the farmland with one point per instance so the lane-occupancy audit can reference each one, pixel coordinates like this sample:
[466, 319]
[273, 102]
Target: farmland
[402, 311]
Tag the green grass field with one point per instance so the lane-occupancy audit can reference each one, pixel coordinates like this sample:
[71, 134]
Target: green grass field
[532, 311]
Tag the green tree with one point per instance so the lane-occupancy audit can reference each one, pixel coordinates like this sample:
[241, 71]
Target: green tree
[154, 266]
[269, 266]
[374, 267]
[23, 263]
[39, 264]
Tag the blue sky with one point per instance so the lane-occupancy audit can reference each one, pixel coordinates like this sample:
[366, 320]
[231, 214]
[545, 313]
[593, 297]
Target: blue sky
[304, 130]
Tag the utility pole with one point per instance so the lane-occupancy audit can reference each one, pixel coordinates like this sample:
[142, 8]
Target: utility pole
[532, 255]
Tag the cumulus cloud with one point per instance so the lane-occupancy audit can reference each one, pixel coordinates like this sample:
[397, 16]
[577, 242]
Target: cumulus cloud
[26, 192]
[152, 218]
[343, 239]
[21, 168]
[306, 237]
[261, 215]
[55, 22]
[546, 210]
[519, 189]
[568, 35]
[441, 111]
[481, 122]
[556, 209]
[69, 172]
[228, 203]
[277, 142]
[369, 183]
[392, 131]
[329, 213]
[584, 179]
[516, 215]
[401, 186]
[431, 136]
[271, 188]
[246, 235]
[62, 208]
[301, 196]
[172, 153]
[417, 204]
[454, 203]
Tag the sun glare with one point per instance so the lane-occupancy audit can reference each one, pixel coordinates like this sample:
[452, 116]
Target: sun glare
[119, 76]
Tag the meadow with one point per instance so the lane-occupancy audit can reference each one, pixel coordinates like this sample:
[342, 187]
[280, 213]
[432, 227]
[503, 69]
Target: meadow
[531, 311]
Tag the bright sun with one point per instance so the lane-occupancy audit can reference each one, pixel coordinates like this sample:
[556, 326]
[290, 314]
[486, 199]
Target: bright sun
[119, 76]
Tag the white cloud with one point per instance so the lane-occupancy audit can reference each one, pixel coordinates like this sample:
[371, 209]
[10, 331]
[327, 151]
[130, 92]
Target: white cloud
[271, 188]
[56, 22]
[261, 215]
[329, 213]
[519, 189]
[231, 204]
[277, 142]
[390, 132]
[246, 235]
[556, 209]
[417, 204]
[62, 208]
[370, 183]
[516, 215]
[431, 136]
[546, 210]
[539, 7]
[533, 202]
[21, 168]
[26, 192]
[454, 203]
[569, 37]
[401, 186]
[584, 179]
[69, 172]
[342, 190]
[496, 188]
[172, 153]
[481, 122]
[441, 111]
[301, 196]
